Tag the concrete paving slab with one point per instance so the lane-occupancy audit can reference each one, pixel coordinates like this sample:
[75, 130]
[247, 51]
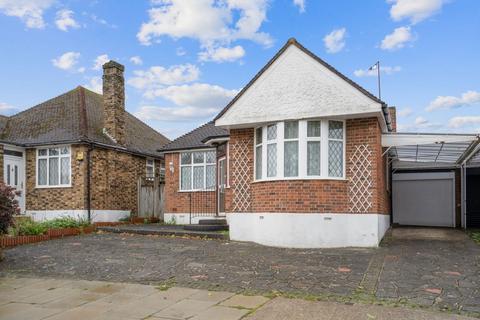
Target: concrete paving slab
[242, 301]
[87, 311]
[221, 313]
[22, 311]
[178, 293]
[296, 309]
[184, 309]
[213, 296]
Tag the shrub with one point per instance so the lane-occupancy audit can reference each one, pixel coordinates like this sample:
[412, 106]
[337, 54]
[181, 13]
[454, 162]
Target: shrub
[65, 222]
[27, 227]
[8, 207]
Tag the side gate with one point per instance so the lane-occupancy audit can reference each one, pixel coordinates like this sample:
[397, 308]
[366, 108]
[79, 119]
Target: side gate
[151, 197]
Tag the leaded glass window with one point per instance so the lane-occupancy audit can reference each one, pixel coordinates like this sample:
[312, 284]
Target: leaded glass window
[198, 170]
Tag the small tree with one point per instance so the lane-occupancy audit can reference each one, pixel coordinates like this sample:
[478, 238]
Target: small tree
[8, 207]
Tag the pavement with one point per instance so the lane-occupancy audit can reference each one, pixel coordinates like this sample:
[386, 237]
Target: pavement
[54, 299]
[437, 269]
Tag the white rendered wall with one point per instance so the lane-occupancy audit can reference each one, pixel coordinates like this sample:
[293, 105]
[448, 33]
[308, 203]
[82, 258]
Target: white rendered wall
[96, 215]
[306, 88]
[309, 230]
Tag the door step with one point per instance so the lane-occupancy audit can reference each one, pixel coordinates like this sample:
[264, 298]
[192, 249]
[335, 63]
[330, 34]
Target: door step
[212, 221]
[208, 225]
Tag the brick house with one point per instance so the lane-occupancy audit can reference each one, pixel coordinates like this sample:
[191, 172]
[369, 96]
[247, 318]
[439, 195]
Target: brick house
[79, 154]
[295, 159]
[305, 157]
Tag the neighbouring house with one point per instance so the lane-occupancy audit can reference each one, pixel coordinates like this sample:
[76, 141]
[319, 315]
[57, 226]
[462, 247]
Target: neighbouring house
[80, 154]
[303, 157]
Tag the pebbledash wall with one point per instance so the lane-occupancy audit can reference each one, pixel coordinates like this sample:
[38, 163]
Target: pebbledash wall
[312, 213]
[114, 178]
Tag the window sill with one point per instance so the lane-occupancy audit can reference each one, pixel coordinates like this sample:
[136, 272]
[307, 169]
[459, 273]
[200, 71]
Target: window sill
[53, 187]
[300, 179]
[190, 191]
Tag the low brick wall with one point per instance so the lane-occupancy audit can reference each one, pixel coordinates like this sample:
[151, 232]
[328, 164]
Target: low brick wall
[11, 241]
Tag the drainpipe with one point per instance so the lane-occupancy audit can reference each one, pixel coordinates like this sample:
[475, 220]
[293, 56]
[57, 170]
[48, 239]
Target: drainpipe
[89, 171]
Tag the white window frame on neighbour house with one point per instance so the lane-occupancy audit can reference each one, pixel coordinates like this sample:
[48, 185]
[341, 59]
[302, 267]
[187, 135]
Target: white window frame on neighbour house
[150, 168]
[47, 154]
[196, 166]
[261, 144]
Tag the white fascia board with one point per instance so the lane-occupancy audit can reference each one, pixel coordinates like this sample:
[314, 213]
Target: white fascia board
[408, 139]
[296, 86]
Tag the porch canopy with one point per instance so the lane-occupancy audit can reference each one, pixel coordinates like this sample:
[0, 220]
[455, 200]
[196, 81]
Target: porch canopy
[432, 149]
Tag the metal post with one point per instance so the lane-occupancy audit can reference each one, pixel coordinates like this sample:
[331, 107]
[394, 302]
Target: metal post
[378, 73]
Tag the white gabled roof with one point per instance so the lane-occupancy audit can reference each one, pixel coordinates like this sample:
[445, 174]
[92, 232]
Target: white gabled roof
[296, 84]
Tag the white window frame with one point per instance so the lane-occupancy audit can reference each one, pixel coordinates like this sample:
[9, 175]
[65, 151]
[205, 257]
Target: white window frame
[59, 156]
[343, 148]
[192, 165]
[150, 165]
[302, 150]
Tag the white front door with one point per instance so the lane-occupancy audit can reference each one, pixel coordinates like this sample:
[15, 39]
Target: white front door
[14, 176]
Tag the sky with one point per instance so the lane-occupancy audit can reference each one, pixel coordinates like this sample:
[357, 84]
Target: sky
[186, 59]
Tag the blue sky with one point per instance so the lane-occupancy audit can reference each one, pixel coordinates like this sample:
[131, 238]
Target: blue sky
[185, 59]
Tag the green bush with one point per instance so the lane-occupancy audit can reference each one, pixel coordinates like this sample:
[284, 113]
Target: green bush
[8, 207]
[26, 227]
[65, 222]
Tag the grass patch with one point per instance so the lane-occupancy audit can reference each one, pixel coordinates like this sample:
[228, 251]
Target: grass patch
[474, 235]
[167, 284]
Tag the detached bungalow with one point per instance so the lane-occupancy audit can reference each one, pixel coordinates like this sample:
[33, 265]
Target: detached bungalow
[79, 154]
[302, 157]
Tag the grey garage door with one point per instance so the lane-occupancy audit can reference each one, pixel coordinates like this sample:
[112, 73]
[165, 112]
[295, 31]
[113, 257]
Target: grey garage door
[424, 199]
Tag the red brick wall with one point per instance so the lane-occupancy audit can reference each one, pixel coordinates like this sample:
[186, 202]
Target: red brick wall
[329, 196]
[293, 196]
[181, 202]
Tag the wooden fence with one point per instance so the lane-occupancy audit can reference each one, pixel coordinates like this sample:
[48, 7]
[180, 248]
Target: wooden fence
[151, 197]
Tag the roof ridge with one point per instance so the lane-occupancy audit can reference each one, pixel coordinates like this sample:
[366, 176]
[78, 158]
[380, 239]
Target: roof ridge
[186, 134]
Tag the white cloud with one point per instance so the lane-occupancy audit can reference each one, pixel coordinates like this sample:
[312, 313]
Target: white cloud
[200, 95]
[6, 108]
[300, 4]
[397, 39]
[335, 40]
[457, 122]
[102, 21]
[68, 61]
[181, 51]
[195, 101]
[100, 61]
[29, 11]
[373, 73]
[448, 102]
[414, 10]
[95, 84]
[158, 76]
[421, 121]
[421, 124]
[136, 60]
[405, 112]
[64, 20]
[219, 23]
[222, 54]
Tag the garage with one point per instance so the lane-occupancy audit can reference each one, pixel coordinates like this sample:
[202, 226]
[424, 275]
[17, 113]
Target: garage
[435, 179]
[424, 199]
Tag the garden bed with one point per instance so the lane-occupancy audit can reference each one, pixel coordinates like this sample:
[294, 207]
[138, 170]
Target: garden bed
[15, 240]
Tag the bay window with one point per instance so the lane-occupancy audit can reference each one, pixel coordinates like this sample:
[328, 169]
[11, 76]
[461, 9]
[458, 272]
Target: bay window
[54, 167]
[304, 149]
[197, 170]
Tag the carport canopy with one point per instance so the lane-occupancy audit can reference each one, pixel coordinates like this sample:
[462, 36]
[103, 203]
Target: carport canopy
[432, 148]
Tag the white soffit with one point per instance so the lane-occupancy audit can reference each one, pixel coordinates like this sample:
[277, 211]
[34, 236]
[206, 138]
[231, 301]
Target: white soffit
[296, 86]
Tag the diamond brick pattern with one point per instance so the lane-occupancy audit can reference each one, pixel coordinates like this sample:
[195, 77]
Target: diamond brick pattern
[360, 192]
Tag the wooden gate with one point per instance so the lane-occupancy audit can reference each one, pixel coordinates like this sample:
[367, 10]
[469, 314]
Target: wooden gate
[151, 197]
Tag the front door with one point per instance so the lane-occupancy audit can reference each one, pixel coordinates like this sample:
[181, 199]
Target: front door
[222, 184]
[14, 176]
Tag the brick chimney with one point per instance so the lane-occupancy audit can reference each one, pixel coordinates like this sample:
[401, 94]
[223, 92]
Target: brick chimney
[114, 101]
[393, 118]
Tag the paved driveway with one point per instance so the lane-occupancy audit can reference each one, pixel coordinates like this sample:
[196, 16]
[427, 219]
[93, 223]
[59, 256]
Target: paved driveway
[443, 272]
